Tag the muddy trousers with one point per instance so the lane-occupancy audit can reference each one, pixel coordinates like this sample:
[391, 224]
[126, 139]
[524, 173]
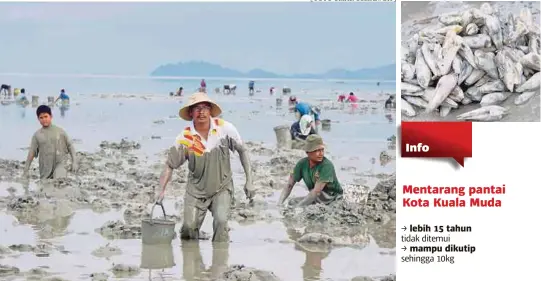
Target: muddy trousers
[59, 171]
[195, 211]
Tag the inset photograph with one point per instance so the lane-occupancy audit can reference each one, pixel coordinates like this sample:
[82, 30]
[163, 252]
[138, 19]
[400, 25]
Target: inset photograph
[470, 61]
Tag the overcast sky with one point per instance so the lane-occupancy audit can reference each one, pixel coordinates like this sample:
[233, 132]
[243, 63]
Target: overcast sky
[135, 38]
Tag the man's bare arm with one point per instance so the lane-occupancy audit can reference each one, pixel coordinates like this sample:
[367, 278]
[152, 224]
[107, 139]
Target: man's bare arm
[175, 158]
[311, 197]
[244, 161]
[165, 176]
[287, 190]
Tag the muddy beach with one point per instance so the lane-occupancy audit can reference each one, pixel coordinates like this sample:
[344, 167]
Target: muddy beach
[88, 226]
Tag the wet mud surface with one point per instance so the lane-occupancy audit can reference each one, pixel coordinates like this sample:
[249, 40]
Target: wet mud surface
[88, 226]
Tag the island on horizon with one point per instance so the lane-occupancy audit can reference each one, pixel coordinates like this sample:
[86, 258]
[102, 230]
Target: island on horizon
[205, 69]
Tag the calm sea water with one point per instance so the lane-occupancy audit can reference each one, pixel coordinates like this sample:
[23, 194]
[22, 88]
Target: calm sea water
[51, 85]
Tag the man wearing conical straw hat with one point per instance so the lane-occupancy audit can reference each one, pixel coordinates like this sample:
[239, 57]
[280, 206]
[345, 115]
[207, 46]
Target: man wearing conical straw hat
[206, 143]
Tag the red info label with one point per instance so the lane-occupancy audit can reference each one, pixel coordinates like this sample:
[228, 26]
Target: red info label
[437, 140]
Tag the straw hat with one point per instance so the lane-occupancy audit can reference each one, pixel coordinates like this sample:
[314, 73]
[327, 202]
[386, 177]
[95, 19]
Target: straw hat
[313, 143]
[196, 98]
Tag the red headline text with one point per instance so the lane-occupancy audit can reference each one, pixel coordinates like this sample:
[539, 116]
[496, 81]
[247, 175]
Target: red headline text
[457, 191]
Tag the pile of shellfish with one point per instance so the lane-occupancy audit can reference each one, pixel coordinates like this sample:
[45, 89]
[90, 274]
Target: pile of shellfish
[479, 56]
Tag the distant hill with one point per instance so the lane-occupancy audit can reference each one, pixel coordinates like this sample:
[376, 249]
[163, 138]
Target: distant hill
[205, 69]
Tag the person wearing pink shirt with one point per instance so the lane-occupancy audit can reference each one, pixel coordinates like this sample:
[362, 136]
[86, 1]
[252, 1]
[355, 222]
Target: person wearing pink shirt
[352, 98]
[203, 87]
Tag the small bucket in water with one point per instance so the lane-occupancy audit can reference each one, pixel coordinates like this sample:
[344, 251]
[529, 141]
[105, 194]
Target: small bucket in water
[283, 137]
[279, 102]
[50, 100]
[35, 101]
[326, 124]
[157, 231]
[157, 256]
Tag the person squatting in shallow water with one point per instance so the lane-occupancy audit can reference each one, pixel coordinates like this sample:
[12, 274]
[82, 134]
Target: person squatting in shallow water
[352, 98]
[206, 144]
[229, 89]
[390, 102]
[318, 174]
[21, 97]
[51, 144]
[301, 129]
[292, 100]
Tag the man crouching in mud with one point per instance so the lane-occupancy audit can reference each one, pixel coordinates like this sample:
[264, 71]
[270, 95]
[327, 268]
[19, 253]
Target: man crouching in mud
[318, 174]
[206, 145]
[51, 145]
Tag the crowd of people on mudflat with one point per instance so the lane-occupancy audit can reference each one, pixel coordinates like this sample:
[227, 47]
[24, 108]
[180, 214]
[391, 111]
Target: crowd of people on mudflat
[307, 116]
[206, 143]
[227, 89]
[19, 95]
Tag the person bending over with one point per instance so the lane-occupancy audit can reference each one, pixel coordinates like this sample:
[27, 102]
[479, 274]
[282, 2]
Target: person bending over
[63, 96]
[300, 130]
[303, 108]
[390, 102]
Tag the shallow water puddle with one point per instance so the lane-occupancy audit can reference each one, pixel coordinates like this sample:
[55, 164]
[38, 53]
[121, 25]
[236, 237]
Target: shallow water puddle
[14, 233]
[8, 189]
[260, 245]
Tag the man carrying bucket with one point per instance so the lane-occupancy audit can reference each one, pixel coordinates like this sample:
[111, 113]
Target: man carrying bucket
[318, 174]
[206, 144]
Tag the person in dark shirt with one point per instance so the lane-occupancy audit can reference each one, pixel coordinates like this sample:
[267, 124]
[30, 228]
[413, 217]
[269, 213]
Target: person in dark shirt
[390, 102]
